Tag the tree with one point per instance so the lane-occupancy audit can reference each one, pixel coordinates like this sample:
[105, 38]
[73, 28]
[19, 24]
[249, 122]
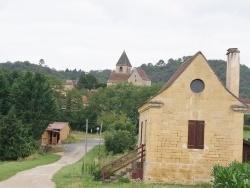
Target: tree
[121, 98]
[34, 102]
[41, 62]
[4, 93]
[87, 81]
[15, 141]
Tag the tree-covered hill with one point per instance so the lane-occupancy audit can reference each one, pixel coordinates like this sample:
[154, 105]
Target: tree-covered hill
[160, 72]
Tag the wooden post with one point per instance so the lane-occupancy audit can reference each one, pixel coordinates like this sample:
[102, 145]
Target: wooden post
[86, 142]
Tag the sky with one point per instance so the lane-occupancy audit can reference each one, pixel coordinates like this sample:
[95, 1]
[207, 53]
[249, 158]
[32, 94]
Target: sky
[92, 34]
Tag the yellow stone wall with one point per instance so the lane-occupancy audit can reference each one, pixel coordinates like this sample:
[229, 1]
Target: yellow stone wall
[136, 79]
[167, 157]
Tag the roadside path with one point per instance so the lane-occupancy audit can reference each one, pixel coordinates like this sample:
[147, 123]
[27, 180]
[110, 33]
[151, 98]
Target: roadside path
[40, 176]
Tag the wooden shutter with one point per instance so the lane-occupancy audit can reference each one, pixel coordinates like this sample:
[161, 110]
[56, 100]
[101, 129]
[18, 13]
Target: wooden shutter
[196, 134]
[191, 133]
[200, 134]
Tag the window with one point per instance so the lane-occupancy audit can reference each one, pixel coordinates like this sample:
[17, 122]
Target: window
[197, 85]
[121, 70]
[196, 134]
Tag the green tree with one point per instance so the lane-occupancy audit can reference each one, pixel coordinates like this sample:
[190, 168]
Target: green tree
[123, 98]
[4, 93]
[247, 119]
[87, 81]
[15, 141]
[34, 102]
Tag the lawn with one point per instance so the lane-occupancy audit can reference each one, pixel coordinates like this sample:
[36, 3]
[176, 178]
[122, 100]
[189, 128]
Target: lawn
[10, 168]
[72, 177]
[246, 135]
[78, 136]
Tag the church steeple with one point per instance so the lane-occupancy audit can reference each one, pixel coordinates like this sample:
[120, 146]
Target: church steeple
[123, 65]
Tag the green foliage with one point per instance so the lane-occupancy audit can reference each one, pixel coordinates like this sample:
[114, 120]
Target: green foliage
[121, 98]
[15, 142]
[34, 102]
[87, 81]
[247, 119]
[119, 141]
[124, 180]
[236, 175]
[4, 93]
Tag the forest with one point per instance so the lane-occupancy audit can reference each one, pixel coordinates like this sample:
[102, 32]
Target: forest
[158, 72]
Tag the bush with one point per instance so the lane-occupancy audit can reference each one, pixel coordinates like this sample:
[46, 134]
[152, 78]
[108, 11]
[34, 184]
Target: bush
[247, 119]
[236, 175]
[118, 141]
[124, 180]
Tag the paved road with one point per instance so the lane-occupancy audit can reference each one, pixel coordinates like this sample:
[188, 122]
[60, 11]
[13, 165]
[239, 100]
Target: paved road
[40, 177]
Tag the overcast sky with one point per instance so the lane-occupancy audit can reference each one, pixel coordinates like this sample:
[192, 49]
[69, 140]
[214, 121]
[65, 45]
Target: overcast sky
[92, 34]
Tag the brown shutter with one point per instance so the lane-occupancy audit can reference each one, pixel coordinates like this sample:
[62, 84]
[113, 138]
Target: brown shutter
[191, 133]
[200, 134]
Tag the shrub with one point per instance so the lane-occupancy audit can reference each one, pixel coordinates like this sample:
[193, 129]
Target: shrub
[118, 141]
[236, 175]
[124, 180]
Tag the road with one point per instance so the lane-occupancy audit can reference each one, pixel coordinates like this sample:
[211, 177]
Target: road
[40, 176]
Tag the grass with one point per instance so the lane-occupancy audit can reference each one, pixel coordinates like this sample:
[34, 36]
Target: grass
[246, 135]
[72, 177]
[78, 136]
[10, 168]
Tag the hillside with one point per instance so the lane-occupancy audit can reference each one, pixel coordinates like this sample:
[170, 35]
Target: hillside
[160, 72]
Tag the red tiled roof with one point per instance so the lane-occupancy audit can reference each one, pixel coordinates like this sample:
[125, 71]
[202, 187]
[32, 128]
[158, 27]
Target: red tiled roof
[57, 125]
[118, 77]
[143, 74]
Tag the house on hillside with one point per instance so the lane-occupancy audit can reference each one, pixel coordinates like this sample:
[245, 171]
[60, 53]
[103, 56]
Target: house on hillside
[55, 133]
[125, 73]
[69, 84]
[193, 123]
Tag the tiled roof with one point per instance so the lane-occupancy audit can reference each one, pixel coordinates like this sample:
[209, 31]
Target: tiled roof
[118, 77]
[57, 125]
[143, 74]
[123, 61]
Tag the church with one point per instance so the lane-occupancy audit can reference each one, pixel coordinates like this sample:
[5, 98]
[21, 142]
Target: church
[125, 74]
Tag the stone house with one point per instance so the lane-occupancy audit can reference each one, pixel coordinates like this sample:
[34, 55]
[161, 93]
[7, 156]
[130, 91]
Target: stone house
[69, 85]
[55, 133]
[193, 123]
[125, 73]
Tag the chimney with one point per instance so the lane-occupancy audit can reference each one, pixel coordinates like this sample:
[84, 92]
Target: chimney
[233, 71]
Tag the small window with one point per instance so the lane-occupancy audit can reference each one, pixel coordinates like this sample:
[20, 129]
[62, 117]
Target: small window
[196, 134]
[197, 86]
[120, 69]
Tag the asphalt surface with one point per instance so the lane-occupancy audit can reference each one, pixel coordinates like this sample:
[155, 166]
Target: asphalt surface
[40, 176]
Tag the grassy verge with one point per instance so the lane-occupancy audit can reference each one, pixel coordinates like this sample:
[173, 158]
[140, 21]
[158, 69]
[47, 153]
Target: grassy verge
[246, 135]
[10, 168]
[78, 136]
[72, 177]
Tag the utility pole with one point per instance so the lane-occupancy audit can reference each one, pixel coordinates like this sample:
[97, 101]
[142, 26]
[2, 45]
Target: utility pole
[86, 142]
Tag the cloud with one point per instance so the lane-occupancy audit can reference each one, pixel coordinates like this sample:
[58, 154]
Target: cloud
[92, 34]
